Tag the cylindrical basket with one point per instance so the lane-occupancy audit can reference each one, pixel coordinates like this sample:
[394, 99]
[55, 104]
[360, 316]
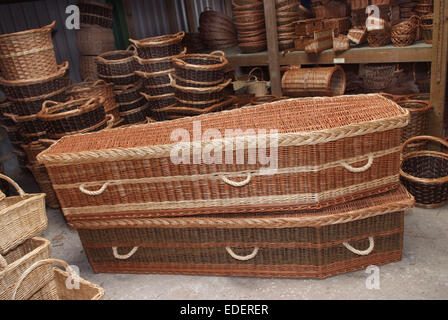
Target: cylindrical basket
[159, 47]
[30, 106]
[132, 105]
[303, 82]
[199, 94]
[157, 64]
[161, 101]
[137, 115]
[116, 63]
[28, 54]
[28, 124]
[425, 174]
[419, 122]
[129, 93]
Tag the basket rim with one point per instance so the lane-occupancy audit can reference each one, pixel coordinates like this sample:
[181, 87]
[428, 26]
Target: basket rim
[136, 110]
[44, 96]
[426, 105]
[30, 31]
[147, 75]
[211, 89]
[428, 153]
[101, 60]
[158, 40]
[85, 130]
[179, 62]
[51, 113]
[159, 97]
[142, 61]
[62, 69]
[128, 88]
[87, 86]
[211, 83]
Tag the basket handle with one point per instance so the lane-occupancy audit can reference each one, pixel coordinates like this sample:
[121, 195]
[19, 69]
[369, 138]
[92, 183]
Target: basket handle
[99, 82]
[64, 65]
[360, 169]
[3, 262]
[13, 117]
[237, 183]
[48, 103]
[242, 258]
[131, 47]
[255, 69]
[361, 252]
[41, 263]
[103, 188]
[14, 184]
[420, 138]
[92, 101]
[218, 53]
[180, 34]
[123, 256]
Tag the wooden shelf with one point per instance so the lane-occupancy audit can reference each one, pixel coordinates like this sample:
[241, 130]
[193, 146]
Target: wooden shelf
[419, 52]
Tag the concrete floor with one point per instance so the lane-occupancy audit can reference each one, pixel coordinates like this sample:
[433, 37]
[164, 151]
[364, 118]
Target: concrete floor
[422, 274]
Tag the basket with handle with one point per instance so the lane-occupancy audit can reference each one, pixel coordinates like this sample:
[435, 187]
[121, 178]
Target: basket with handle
[419, 121]
[197, 84]
[157, 64]
[92, 89]
[28, 54]
[139, 102]
[251, 83]
[116, 63]
[6, 107]
[126, 94]
[122, 80]
[30, 106]
[199, 94]
[379, 38]
[160, 101]
[21, 217]
[159, 47]
[14, 263]
[27, 124]
[72, 116]
[154, 78]
[57, 288]
[425, 173]
[19, 89]
[201, 67]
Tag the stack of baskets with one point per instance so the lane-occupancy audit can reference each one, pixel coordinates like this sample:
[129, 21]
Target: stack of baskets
[288, 12]
[95, 35]
[217, 30]
[154, 60]
[248, 17]
[427, 27]
[407, 9]
[424, 7]
[25, 272]
[200, 85]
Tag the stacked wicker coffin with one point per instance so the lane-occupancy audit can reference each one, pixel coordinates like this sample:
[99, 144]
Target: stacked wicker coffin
[25, 263]
[323, 199]
[95, 35]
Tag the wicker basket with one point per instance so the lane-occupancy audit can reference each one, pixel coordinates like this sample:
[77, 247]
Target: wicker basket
[201, 67]
[159, 47]
[72, 116]
[116, 63]
[30, 106]
[132, 105]
[97, 8]
[6, 107]
[15, 262]
[161, 101]
[264, 99]
[424, 173]
[303, 82]
[199, 94]
[357, 35]
[341, 43]
[57, 288]
[20, 89]
[28, 124]
[157, 64]
[154, 78]
[94, 19]
[123, 80]
[28, 54]
[418, 125]
[197, 84]
[379, 38]
[21, 217]
[93, 40]
[405, 33]
[93, 89]
[129, 93]
[40, 174]
[135, 115]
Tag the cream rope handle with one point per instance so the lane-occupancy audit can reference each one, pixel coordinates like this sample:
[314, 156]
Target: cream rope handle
[242, 258]
[123, 256]
[361, 252]
[3, 263]
[83, 189]
[38, 264]
[237, 183]
[360, 169]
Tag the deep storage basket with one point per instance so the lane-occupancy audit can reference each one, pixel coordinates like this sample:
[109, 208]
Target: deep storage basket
[28, 124]
[16, 261]
[93, 40]
[21, 217]
[72, 116]
[57, 288]
[302, 82]
[419, 122]
[201, 67]
[123, 80]
[159, 47]
[28, 54]
[116, 63]
[20, 89]
[425, 173]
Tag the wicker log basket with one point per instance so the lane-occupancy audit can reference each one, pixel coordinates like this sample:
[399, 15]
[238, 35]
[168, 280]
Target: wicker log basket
[28, 54]
[56, 288]
[21, 217]
[159, 47]
[419, 122]
[201, 67]
[425, 173]
[303, 82]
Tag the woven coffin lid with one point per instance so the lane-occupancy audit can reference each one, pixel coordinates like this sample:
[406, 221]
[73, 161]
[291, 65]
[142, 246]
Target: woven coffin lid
[303, 121]
[394, 201]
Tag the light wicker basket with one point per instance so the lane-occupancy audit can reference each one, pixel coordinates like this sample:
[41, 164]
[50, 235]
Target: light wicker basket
[21, 217]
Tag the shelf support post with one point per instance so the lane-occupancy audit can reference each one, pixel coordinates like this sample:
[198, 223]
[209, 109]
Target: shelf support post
[272, 40]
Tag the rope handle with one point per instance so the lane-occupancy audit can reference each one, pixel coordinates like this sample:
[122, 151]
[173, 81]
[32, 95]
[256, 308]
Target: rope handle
[361, 252]
[3, 262]
[99, 82]
[123, 256]
[11, 116]
[14, 184]
[41, 263]
[255, 69]
[424, 138]
[237, 183]
[103, 188]
[180, 34]
[131, 47]
[47, 104]
[360, 169]
[242, 258]
[218, 53]
[48, 142]
[64, 65]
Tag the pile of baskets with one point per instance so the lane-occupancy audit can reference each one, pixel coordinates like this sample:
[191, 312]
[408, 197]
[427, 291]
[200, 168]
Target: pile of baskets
[95, 35]
[200, 85]
[25, 264]
[154, 61]
[217, 30]
[248, 17]
[288, 13]
[407, 9]
[424, 7]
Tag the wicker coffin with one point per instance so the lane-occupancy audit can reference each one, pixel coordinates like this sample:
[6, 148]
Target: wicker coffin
[315, 244]
[330, 150]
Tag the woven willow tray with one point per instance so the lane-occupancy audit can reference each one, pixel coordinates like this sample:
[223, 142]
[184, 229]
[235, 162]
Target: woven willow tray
[315, 244]
[331, 150]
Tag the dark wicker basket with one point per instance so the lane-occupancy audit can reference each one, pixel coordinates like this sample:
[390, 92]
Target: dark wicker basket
[157, 64]
[419, 118]
[200, 94]
[29, 106]
[135, 115]
[201, 67]
[73, 116]
[116, 63]
[425, 173]
[159, 47]
[6, 107]
[126, 94]
[155, 78]
[158, 89]
[20, 89]
[155, 102]
[140, 102]
[196, 84]
[123, 80]
[28, 124]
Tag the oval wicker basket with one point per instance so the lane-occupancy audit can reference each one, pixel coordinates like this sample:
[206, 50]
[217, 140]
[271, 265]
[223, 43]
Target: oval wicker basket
[154, 78]
[199, 94]
[303, 82]
[28, 54]
[425, 173]
[122, 80]
[27, 124]
[405, 33]
[29, 106]
[157, 64]
[418, 125]
[116, 63]
[126, 94]
[159, 47]
[93, 89]
[201, 67]
[160, 101]
[132, 105]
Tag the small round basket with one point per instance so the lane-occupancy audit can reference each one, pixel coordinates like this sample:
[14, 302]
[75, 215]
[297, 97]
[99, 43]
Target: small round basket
[425, 174]
[419, 121]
